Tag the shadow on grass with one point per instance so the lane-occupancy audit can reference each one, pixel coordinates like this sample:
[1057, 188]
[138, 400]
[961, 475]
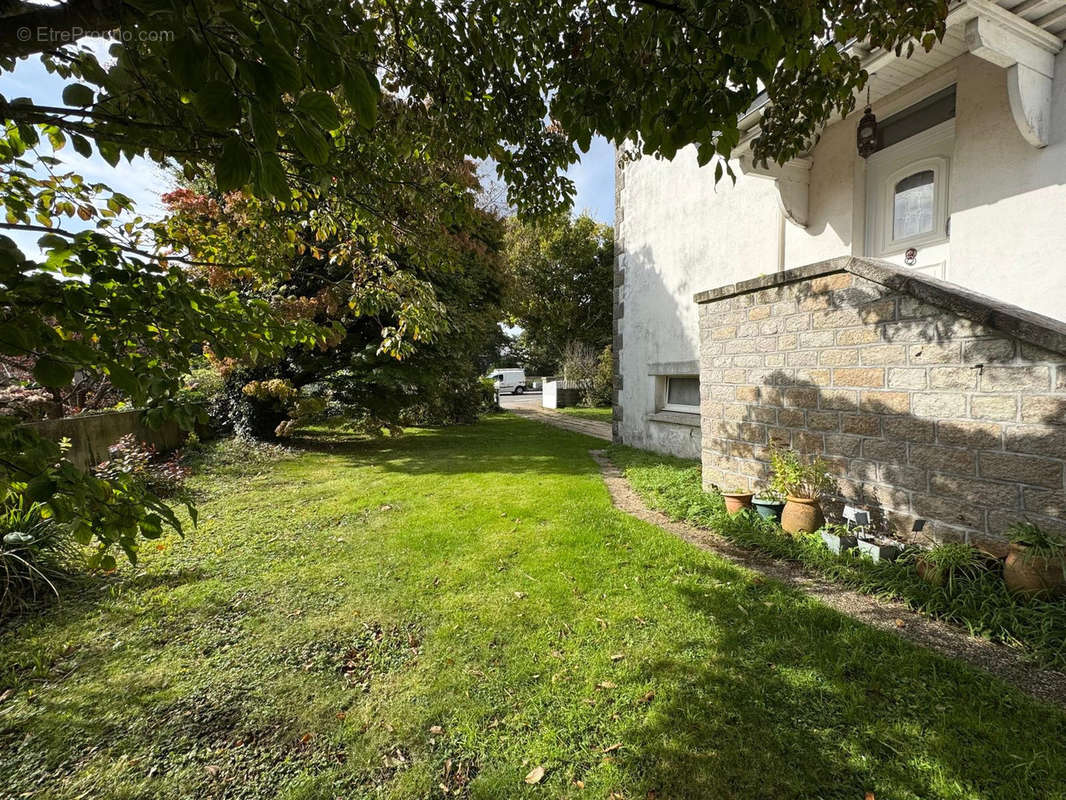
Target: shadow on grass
[529, 447]
[792, 699]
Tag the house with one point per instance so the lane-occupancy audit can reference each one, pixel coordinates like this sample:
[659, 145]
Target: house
[900, 311]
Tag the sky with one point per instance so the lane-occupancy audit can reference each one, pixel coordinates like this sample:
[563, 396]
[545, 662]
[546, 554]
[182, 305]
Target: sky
[144, 182]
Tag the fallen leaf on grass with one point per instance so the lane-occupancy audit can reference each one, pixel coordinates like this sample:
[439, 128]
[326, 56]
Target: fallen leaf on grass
[519, 595]
[900, 623]
[342, 714]
[612, 748]
[535, 775]
[306, 738]
[606, 685]
[870, 796]
[436, 730]
[648, 697]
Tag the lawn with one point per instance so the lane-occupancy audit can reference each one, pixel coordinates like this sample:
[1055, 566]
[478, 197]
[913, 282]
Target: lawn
[445, 612]
[597, 414]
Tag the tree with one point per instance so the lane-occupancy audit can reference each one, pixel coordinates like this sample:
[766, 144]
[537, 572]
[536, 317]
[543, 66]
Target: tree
[560, 286]
[251, 94]
[411, 317]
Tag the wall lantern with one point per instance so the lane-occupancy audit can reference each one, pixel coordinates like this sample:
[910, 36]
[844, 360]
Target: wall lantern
[866, 133]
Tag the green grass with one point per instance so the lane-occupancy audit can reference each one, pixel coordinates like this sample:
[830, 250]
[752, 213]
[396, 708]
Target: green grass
[597, 414]
[456, 607]
[976, 598]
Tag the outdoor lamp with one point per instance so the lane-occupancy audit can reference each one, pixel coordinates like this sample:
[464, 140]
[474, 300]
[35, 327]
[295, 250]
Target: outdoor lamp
[866, 133]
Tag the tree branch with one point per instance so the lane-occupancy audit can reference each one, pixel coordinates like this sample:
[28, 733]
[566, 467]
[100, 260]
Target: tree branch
[118, 245]
[31, 31]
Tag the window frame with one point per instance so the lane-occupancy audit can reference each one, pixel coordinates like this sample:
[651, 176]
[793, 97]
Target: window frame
[677, 407]
[890, 245]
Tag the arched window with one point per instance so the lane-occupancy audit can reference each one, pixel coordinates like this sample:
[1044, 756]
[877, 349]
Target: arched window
[914, 205]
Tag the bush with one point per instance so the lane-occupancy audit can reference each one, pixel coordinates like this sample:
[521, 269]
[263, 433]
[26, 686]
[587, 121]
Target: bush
[592, 372]
[36, 555]
[976, 598]
[459, 402]
[162, 476]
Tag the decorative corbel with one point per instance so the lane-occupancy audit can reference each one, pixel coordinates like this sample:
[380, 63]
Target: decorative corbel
[1027, 52]
[792, 180]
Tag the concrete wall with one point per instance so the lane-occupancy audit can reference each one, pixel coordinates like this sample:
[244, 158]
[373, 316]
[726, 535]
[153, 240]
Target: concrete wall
[678, 233]
[559, 394]
[925, 402]
[92, 434]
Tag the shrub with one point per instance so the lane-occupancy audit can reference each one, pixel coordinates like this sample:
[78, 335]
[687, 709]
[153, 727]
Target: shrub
[592, 372]
[163, 476]
[36, 555]
[794, 476]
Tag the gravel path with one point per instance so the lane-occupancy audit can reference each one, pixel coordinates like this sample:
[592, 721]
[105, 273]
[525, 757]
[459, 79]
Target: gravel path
[589, 427]
[1044, 684]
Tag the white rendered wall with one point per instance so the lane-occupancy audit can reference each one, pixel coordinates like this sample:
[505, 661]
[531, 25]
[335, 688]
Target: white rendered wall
[683, 235]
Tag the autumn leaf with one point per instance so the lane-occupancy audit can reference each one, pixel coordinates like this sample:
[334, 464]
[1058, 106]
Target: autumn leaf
[436, 730]
[535, 775]
[606, 685]
[612, 748]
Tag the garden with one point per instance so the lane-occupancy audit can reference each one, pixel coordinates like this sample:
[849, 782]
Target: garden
[461, 611]
[1016, 601]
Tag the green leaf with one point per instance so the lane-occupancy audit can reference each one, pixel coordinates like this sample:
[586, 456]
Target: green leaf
[151, 527]
[234, 165]
[362, 95]
[311, 143]
[218, 104]
[272, 178]
[53, 241]
[320, 107]
[40, 488]
[81, 145]
[52, 372]
[108, 151]
[124, 380]
[283, 67]
[78, 95]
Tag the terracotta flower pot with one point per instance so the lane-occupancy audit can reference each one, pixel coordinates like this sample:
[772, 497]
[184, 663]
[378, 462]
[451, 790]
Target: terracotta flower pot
[928, 572]
[801, 514]
[1029, 575]
[737, 501]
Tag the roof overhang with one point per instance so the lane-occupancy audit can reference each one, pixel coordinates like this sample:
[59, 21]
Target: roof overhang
[1022, 36]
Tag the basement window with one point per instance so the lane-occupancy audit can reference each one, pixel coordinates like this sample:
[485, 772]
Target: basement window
[683, 394]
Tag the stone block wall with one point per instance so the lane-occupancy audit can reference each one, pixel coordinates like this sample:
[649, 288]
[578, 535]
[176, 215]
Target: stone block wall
[925, 400]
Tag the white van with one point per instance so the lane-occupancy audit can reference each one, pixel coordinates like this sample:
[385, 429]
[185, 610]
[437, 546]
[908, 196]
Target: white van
[509, 381]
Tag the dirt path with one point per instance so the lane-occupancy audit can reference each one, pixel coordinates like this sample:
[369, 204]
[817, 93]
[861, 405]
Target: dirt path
[1047, 685]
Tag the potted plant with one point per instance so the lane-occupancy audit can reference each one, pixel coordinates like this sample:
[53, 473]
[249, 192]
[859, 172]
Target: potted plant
[878, 548]
[837, 537]
[737, 500]
[943, 564]
[1036, 561]
[769, 503]
[802, 483]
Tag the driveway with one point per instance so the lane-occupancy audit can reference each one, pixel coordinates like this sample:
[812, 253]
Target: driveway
[528, 405]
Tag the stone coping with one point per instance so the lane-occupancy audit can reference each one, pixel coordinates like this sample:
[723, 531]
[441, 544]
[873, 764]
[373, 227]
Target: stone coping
[675, 418]
[1003, 317]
